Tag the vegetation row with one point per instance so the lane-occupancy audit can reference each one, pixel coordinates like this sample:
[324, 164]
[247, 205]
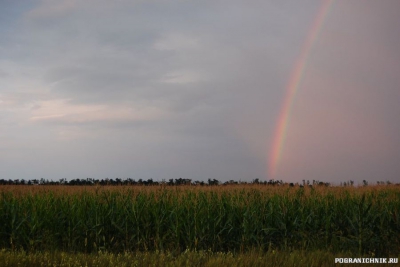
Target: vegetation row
[170, 182]
[169, 219]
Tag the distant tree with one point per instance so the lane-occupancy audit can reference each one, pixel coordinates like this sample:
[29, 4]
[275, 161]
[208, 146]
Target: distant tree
[213, 181]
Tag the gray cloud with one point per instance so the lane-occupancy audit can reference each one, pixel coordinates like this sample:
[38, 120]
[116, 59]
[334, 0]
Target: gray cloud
[182, 88]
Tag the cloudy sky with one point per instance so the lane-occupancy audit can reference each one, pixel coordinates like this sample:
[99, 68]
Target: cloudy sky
[193, 89]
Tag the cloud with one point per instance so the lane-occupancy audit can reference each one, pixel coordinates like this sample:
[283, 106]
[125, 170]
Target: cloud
[166, 86]
[176, 41]
[60, 111]
[52, 9]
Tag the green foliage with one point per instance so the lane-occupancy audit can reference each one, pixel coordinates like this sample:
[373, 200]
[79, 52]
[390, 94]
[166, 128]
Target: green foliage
[176, 220]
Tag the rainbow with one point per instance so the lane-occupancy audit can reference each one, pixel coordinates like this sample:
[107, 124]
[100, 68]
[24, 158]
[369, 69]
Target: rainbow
[292, 88]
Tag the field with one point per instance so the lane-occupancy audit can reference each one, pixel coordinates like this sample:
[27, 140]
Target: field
[207, 223]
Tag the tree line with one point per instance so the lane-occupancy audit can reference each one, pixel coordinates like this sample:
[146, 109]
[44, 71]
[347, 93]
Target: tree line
[127, 181]
[171, 182]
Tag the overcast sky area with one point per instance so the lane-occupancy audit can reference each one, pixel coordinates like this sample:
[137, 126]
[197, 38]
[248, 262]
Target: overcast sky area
[193, 89]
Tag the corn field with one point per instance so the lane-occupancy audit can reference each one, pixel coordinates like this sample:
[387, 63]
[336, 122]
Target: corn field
[363, 220]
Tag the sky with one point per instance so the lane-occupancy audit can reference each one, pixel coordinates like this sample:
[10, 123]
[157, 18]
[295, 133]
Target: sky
[195, 89]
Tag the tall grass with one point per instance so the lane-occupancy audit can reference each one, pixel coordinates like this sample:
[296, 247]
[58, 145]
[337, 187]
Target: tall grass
[167, 259]
[363, 221]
